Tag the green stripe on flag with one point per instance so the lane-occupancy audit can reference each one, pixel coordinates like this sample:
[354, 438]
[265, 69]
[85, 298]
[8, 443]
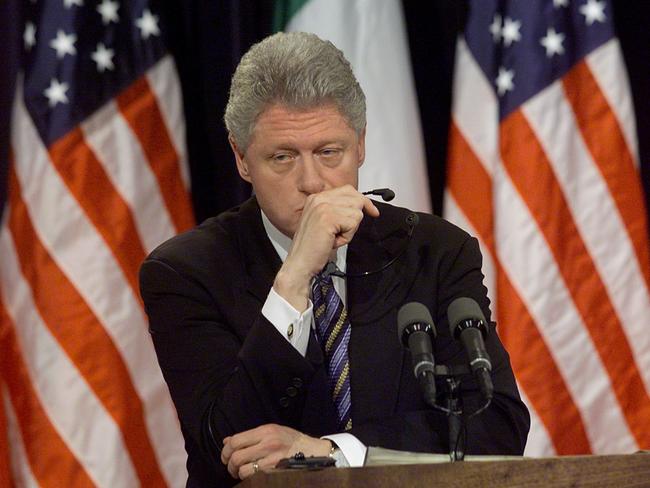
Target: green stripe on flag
[283, 11]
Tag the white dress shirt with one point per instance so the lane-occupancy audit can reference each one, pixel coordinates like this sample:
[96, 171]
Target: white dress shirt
[295, 328]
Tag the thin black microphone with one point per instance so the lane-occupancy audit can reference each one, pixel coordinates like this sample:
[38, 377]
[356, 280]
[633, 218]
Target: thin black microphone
[415, 329]
[467, 323]
[386, 194]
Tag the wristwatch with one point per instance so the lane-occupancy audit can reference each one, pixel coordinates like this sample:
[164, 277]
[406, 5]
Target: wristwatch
[337, 455]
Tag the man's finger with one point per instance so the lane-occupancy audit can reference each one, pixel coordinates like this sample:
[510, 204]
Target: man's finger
[249, 469]
[238, 441]
[369, 207]
[245, 454]
[246, 438]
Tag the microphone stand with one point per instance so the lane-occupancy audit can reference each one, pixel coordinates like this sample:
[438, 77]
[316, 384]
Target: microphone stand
[453, 407]
[454, 421]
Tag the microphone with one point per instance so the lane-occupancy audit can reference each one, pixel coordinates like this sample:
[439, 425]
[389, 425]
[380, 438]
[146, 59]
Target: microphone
[467, 324]
[386, 194]
[416, 331]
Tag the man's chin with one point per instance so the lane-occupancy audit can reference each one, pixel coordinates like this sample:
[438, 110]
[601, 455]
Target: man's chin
[287, 231]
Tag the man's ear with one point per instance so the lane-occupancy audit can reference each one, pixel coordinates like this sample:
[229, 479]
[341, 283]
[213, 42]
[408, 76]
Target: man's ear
[362, 146]
[242, 166]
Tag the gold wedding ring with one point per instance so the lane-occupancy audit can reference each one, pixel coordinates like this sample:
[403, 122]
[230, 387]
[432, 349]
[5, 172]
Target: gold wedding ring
[256, 467]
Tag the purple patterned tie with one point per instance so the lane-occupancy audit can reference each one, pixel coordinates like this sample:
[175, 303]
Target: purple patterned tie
[333, 331]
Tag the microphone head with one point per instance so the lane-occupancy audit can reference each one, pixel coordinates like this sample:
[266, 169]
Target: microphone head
[387, 194]
[412, 317]
[465, 309]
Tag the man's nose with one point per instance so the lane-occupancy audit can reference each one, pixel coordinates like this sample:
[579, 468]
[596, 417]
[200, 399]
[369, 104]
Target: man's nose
[309, 179]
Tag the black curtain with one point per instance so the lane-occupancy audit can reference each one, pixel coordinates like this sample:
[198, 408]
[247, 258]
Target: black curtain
[208, 37]
[10, 37]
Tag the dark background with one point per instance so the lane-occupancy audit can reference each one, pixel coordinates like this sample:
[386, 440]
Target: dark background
[208, 37]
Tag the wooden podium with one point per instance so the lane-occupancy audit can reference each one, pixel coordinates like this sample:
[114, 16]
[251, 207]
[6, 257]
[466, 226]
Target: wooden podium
[615, 471]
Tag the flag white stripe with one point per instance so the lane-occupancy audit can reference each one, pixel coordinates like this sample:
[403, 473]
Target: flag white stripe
[596, 216]
[373, 38]
[55, 380]
[606, 64]
[165, 84]
[475, 103]
[534, 274]
[119, 152]
[81, 254]
[21, 470]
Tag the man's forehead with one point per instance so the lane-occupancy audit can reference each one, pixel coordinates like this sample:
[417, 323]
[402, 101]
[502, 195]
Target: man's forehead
[290, 112]
[282, 120]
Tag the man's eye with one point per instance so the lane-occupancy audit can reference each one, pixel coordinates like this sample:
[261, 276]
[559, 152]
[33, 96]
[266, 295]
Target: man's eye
[282, 158]
[329, 152]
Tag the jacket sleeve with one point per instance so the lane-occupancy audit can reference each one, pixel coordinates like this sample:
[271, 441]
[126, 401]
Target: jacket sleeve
[222, 379]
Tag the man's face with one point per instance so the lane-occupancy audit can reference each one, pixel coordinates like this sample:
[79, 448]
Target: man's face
[294, 153]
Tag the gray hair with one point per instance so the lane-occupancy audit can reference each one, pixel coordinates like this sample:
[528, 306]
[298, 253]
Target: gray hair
[295, 69]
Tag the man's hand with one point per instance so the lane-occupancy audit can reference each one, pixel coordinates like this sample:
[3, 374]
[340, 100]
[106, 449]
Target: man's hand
[329, 220]
[266, 445]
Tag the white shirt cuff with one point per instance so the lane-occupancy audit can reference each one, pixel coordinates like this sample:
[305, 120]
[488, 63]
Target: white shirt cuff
[291, 324]
[352, 448]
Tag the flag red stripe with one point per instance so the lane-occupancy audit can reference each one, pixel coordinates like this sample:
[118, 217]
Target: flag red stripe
[5, 467]
[93, 352]
[5, 470]
[51, 462]
[471, 185]
[140, 109]
[542, 193]
[88, 182]
[537, 372]
[530, 357]
[606, 143]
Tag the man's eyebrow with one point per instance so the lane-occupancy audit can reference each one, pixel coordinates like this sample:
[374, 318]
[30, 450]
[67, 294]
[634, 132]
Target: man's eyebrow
[282, 147]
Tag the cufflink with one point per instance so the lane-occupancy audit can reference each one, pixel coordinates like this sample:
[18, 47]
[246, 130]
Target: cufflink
[290, 330]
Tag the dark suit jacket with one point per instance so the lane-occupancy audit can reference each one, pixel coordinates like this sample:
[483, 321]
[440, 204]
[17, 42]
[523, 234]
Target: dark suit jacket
[228, 369]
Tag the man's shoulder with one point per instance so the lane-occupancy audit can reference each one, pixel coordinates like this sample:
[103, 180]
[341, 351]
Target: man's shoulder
[425, 225]
[212, 237]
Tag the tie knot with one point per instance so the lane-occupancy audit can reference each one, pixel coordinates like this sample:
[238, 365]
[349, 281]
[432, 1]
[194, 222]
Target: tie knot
[323, 280]
[330, 269]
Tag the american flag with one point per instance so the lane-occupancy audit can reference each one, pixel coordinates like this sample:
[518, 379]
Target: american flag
[98, 178]
[543, 168]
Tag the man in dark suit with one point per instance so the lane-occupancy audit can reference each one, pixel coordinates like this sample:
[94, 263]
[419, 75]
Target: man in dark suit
[238, 324]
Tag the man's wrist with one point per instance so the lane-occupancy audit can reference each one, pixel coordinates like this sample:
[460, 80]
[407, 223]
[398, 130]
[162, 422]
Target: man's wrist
[293, 290]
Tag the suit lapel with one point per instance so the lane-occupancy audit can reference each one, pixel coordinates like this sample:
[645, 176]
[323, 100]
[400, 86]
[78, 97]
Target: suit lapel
[262, 264]
[373, 301]
[260, 258]
[374, 245]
